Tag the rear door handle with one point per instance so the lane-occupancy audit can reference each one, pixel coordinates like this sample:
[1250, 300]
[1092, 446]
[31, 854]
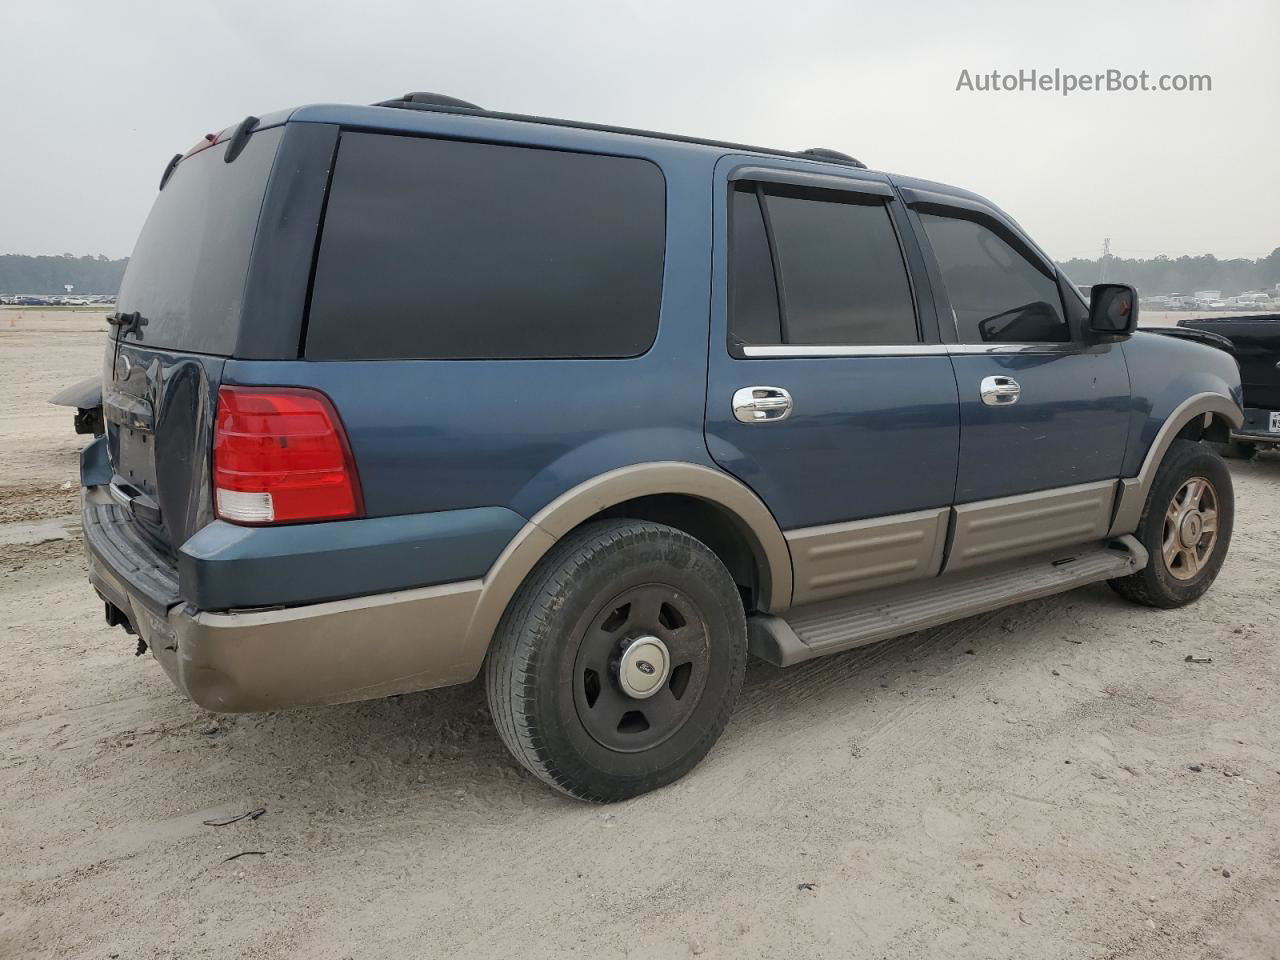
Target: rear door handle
[761, 404]
[999, 391]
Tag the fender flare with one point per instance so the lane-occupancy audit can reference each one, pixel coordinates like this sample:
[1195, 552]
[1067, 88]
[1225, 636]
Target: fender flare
[587, 499]
[1134, 490]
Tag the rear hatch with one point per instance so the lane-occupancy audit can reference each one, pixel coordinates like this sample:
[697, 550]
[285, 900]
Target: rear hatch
[178, 320]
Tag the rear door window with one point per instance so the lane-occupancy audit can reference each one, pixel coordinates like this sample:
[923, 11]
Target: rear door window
[439, 249]
[753, 288]
[187, 273]
[837, 263]
[998, 294]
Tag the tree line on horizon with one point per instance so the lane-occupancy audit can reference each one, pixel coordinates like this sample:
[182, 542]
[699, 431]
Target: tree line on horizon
[1159, 276]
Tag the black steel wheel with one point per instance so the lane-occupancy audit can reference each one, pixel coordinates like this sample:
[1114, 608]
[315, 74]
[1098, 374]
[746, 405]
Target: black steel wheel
[641, 667]
[619, 661]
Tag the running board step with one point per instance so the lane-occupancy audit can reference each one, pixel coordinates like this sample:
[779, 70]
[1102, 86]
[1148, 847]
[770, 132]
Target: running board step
[817, 629]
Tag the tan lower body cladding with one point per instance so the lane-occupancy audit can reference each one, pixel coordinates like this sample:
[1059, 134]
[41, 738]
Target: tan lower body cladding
[839, 559]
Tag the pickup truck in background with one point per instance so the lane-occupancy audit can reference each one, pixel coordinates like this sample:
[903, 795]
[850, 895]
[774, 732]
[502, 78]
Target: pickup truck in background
[1255, 343]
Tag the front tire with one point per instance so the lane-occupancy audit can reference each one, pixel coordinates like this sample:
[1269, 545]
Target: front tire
[1185, 527]
[619, 661]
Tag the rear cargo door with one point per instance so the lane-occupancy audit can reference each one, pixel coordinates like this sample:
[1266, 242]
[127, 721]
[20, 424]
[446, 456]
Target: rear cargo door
[178, 319]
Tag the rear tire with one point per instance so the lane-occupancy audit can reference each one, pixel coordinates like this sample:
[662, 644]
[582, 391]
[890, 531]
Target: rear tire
[619, 661]
[1186, 552]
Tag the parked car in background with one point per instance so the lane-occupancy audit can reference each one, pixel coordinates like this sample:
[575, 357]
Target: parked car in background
[1255, 343]
[597, 411]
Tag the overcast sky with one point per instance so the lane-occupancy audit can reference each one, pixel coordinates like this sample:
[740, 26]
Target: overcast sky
[98, 95]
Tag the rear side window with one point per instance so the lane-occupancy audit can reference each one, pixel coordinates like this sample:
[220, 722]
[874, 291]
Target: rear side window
[998, 295]
[438, 249]
[836, 261]
[187, 272]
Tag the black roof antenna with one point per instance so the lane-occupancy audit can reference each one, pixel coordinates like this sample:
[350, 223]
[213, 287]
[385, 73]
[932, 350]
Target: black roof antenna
[835, 156]
[422, 99]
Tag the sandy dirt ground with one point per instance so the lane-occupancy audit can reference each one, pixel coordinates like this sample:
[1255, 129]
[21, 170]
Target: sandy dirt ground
[1054, 780]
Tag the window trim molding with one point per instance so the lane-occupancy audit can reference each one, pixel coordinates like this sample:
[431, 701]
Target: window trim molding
[788, 350]
[817, 181]
[960, 208]
[759, 177]
[775, 262]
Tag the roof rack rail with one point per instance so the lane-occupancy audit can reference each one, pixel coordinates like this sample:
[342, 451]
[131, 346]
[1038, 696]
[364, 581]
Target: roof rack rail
[423, 101]
[835, 156]
[440, 103]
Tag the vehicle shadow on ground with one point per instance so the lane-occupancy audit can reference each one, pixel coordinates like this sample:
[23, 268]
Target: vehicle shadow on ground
[443, 744]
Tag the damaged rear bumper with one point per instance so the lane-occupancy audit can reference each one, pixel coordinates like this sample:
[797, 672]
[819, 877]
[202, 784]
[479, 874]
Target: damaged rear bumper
[243, 660]
[320, 653]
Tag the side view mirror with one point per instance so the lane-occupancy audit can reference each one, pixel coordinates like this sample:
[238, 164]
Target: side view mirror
[1113, 310]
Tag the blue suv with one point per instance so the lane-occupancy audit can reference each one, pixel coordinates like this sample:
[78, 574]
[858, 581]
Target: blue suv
[404, 393]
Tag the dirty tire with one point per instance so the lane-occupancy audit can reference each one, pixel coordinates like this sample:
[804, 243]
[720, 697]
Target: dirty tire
[613, 572]
[1155, 585]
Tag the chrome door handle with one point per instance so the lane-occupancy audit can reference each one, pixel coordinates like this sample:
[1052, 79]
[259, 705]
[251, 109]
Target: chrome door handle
[999, 391]
[761, 404]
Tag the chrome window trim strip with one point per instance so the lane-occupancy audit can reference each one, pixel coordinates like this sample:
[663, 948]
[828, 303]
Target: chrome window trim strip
[1071, 346]
[778, 351]
[801, 350]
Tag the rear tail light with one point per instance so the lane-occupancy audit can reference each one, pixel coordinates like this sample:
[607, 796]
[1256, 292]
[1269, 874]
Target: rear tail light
[280, 455]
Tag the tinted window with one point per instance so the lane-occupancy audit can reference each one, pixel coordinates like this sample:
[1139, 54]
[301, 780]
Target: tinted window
[753, 292]
[998, 295]
[187, 272]
[447, 249]
[842, 275]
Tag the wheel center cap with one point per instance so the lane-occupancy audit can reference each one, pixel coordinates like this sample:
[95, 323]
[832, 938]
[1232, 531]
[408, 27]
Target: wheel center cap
[644, 667]
[1191, 528]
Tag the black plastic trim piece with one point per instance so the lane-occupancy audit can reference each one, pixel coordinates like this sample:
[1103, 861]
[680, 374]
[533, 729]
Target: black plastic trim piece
[965, 209]
[284, 247]
[784, 330]
[171, 166]
[818, 181]
[413, 100]
[239, 139]
[835, 156]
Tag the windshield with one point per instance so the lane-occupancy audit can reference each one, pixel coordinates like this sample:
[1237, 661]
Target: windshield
[187, 273]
